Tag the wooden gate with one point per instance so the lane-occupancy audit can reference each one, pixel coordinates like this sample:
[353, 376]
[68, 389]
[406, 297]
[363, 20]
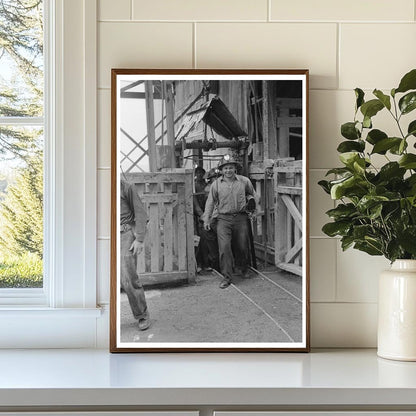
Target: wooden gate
[263, 222]
[169, 244]
[288, 215]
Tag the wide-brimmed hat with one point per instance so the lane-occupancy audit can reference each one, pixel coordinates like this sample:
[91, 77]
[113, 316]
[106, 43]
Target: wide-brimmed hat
[227, 160]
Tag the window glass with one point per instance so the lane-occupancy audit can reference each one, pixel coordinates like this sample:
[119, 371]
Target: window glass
[21, 143]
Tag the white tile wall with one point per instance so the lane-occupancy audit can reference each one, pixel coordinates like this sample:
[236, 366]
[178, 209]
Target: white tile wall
[323, 269]
[114, 10]
[200, 10]
[270, 45]
[142, 45]
[386, 53]
[341, 10]
[357, 275]
[339, 325]
[345, 44]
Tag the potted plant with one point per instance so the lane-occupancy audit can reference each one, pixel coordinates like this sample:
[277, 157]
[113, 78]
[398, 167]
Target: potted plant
[376, 206]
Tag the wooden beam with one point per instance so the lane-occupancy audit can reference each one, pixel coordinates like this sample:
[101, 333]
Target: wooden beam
[293, 209]
[150, 119]
[289, 121]
[289, 190]
[283, 137]
[294, 251]
[280, 225]
[190, 249]
[290, 268]
[272, 129]
[138, 95]
[163, 278]
[170, 120]
[265, 125]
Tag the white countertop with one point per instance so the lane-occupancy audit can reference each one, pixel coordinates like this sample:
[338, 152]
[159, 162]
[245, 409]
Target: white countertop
[96, 377]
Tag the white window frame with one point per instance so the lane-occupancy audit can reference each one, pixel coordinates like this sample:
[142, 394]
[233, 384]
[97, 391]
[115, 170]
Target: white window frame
[64, 312]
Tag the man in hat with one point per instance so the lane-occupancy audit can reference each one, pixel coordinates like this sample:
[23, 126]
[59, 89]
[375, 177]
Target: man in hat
[133, 220]
[199, 206]
[232, 196]
[208, 242]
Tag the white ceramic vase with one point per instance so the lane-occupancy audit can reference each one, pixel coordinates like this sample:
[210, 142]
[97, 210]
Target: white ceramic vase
[397, 312]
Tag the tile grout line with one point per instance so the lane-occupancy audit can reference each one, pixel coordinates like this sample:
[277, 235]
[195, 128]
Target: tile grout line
[254, 21]
[131, 9]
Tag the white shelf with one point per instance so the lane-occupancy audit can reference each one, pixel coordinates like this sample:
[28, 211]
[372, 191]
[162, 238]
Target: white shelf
[335, 378]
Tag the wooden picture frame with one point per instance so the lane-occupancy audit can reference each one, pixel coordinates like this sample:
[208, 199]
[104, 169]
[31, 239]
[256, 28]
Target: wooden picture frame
[166, 125]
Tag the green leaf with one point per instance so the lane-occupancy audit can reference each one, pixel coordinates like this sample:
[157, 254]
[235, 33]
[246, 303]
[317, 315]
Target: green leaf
[338, 171]
[348, 187]
[325, 186]
[411, 130]
[359, 165]
[369, 201]
[391, 170]
[383, 145]
[371, 108]
[342, 211]
[359, 95]
[367, 122]
[333, 229]
[408, 82]
[385, 99]
[368, 248]
[349, 146]
[354, 161]
[393, 250]
[407, 239]
[375, 211]
[375, 136]
[349, 131]
[346, 242]
[408, 103]
[408, 161]
[348, 158]
[398, 149]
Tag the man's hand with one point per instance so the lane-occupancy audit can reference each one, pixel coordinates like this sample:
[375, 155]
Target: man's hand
[136, 247]
[207, 226]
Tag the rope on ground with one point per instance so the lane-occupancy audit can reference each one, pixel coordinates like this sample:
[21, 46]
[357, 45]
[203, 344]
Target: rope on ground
[276, 284]
[257, 306]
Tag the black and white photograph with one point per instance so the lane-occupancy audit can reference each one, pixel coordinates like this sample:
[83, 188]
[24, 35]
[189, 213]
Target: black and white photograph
[209, 215]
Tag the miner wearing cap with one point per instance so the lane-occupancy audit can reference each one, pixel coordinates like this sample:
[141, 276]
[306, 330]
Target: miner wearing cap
[232, 196]
[209, 241]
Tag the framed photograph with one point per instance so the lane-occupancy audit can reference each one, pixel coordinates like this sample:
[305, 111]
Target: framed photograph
[209, 212]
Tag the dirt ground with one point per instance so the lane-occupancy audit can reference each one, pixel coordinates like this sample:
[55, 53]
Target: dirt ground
[265, 307]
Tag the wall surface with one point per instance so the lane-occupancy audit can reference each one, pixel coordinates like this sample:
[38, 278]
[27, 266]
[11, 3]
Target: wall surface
[345, 44]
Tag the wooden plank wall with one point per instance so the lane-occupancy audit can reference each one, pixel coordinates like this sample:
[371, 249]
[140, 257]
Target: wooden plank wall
[288, 215]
